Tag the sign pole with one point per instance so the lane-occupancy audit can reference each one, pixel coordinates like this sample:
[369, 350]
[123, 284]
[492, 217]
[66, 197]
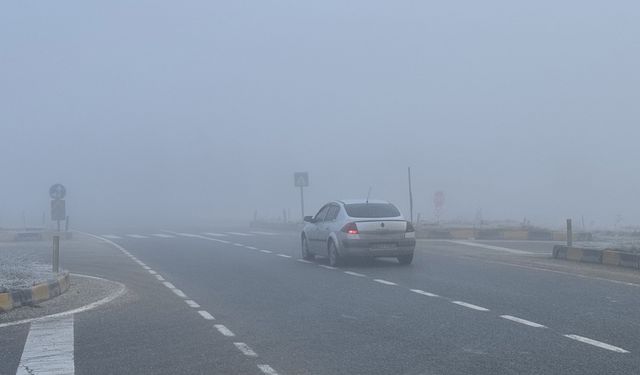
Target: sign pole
[302, 201]
[56, 253]
[410, 196]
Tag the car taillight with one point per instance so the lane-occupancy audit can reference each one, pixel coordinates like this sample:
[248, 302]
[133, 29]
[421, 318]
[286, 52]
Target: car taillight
[350, 228]
[410, 227]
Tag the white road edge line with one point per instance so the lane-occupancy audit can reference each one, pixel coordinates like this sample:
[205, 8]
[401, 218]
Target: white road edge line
[268, 370]
[418, 291]
[224, 330]
[245, 349]
[489, 247]
[597, 343]
[385, 282]
[206, 315]
[523, 321]
[470, 306]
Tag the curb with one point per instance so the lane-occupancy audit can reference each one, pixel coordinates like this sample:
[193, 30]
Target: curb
[38, 293]
[608, 257]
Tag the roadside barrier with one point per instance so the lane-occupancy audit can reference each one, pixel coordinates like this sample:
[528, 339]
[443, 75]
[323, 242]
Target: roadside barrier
[38, 293]
[609, 257]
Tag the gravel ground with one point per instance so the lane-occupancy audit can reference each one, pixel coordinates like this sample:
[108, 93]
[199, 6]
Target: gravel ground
[23, 264]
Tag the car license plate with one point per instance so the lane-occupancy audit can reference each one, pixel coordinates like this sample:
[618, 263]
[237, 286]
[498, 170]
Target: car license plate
[383, 246]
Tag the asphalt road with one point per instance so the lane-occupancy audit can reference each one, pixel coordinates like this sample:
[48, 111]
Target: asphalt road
[233, 301]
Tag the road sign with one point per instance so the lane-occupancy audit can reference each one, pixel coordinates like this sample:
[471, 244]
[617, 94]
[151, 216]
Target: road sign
[301, 179]
[58, 211]
[57, 191]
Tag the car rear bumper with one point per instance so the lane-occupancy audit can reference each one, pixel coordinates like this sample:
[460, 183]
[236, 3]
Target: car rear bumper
[370, 248]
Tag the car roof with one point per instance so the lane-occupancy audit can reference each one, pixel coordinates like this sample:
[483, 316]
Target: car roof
[362, 200]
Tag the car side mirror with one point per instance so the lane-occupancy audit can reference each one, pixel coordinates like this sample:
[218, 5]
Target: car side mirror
[309, 219]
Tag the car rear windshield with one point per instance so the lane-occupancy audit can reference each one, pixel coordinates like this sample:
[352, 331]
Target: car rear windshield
[371, 210]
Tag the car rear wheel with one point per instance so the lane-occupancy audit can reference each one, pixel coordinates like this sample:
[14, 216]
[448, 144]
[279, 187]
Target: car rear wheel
[334, 257]
[405, 259]
[306, 254]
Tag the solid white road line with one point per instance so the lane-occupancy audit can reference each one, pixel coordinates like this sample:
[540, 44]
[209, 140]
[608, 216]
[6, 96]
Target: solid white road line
[489, 247]
[224, 330]
[303, 261]
[49, 348]
[121, 290]
[284, 255]
[268, 370]
[599, 344]
[160, 278]
[169, 285]
[523, 321]
[136, 236]
[111, 236]
[162, 235]
[470, 306]
[266, 251]
[354, 274]
[192, 303]
[179, 293]
[241, 234]
[214, 234]
[206, 315]
[245, 349]
[327, 267]
[385, 282]
[264, 233]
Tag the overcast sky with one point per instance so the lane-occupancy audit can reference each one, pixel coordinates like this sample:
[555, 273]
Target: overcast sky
[182, 111]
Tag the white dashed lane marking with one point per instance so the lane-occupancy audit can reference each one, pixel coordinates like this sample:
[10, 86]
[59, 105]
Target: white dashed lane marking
[241, 234]
[284, 255]
[266, 251]
[139, 236]
[160, 278]
[111, 236]
[523, 321]
[496, 248]
[162, 235]
[169, 285]
[470, 306]
[597, 343]
[327, 267]
[245, 349]
[418, 291]
[179, 293]
[354, 274]
[224, 330]
[192, 303]
[49, 348]
[266, 369]
[385, 282]
[251, 248]
[264, 233]
[303, 261]
[238, 244]
[152, 272]
[206, 315]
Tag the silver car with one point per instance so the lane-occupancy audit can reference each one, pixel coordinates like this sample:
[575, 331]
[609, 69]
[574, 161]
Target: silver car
[358, 228]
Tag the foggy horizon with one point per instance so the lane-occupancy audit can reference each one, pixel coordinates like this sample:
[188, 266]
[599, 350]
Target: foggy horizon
[203, 111]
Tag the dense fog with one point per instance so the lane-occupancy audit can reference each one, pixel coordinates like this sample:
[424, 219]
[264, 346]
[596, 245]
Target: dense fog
[167, 112]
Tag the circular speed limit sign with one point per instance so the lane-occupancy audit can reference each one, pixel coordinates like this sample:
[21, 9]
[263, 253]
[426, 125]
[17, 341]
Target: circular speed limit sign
[57, 191]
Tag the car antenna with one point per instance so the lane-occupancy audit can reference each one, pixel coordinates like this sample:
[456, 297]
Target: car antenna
[368, 195]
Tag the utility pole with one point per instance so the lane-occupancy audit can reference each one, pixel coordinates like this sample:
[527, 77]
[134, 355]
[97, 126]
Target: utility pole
[410, 196]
